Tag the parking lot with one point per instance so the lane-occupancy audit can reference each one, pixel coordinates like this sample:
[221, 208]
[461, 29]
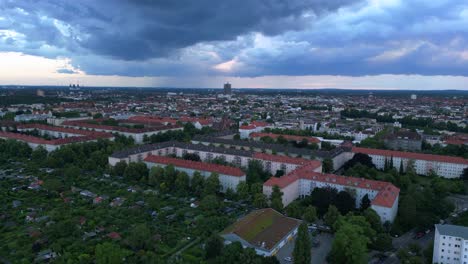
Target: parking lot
[319, 253]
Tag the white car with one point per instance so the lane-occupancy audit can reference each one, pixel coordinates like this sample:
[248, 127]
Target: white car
[289, 259]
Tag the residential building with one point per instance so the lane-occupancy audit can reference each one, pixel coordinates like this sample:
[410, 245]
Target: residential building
[302, 181]
[450, 244]
[138, 134]
[311, 140]
[403, 140]
[59, 136]
[444, 166]
[229, 177]
[264, 230]
[254, 126]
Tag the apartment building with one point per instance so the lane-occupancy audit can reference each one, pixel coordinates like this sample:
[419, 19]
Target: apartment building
[450, 244]
[229, 177]
[302, 181]
[51, 137]
[444, 166]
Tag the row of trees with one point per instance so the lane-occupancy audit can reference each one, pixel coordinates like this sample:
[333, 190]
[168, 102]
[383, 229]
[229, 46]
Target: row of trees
[168, 179]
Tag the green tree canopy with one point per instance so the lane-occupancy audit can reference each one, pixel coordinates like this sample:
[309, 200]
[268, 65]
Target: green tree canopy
[302, 247]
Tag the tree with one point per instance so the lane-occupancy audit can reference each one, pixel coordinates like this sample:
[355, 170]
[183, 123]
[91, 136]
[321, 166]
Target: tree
[156, 176]
[327, 165]
[136, 171]
[213, 246]
[255, 172]
[383, 242]
[281, 140]
[345, 202]
[39, 155]
[243, 190]
[331, 216]
[197, 183]
[349, 245]
[401, 170]
[365, 202]
[302, 246]
[294, 210]
[212, 184]
[321, 198]
[109, 253]
[54, 185]
[373, 219]
[72, 172]
[464, 175]
[310, 214]
[276, 199]
[191, 156]
[140, 237]
[410, 168]
[256, 188]
[119, 168]
[209, 203]
[170, 175]
[260, 200]
[182, 183]
[362, 158]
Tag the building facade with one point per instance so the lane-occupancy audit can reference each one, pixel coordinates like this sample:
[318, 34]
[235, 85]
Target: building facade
[301, 182]
[229, 177]
[450, 244]
[444, 166]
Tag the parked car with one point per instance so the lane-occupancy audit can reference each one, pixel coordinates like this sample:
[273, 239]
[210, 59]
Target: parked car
[288, 259]
[419, 235]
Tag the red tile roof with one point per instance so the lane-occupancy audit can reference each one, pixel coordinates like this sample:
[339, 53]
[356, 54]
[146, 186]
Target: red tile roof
[196, 165]
[287, 137]
[457, 139]
[248, 127]
[254, 124]
[410, 155]
[386, 196]
[202, 121]
[284, 159]
[152, 119]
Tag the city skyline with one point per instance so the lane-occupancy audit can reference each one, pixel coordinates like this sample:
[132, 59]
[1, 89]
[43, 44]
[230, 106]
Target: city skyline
[370, 44]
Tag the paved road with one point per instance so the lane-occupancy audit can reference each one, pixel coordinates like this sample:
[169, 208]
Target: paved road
[319, 253]
[460, 201]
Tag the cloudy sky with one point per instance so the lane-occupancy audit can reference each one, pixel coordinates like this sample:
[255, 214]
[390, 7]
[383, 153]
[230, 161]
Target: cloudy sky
[359, 44]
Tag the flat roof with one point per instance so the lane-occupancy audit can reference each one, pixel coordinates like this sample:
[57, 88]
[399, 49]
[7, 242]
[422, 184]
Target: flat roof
[263, 226]
[453, 230]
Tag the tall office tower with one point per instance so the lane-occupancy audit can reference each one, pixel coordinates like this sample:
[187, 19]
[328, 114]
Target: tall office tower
[227, 88]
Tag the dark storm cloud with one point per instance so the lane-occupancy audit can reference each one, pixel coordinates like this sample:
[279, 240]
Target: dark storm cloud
[138, 30]
[254, 37]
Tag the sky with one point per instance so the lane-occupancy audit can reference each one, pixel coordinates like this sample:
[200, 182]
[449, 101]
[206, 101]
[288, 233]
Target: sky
[355, 44]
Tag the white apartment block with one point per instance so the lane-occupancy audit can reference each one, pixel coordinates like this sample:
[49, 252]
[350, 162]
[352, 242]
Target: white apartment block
[301, 182]
[444, 166]
[450, 244]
